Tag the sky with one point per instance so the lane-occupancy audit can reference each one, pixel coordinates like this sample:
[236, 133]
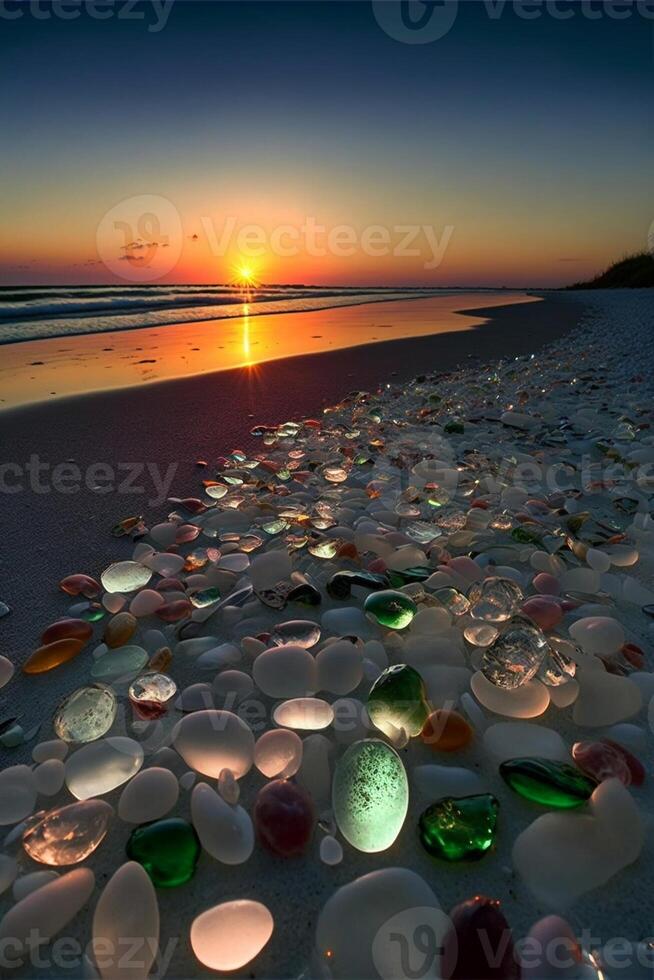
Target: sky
[309, 142]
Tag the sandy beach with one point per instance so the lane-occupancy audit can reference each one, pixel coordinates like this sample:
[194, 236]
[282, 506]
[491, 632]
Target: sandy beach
[185, 420]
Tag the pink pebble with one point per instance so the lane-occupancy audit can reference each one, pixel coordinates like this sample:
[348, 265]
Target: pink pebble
[546, 584]
[378, 566]
[146, 603]
[544, 610]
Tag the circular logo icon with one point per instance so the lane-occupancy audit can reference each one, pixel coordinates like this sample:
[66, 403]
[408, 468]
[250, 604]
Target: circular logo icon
[415, 21]
[410, 945]
[140, 238]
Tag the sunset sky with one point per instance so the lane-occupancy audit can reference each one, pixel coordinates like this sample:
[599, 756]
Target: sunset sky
[531, 140]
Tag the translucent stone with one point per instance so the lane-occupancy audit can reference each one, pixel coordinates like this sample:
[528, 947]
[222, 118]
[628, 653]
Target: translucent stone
[398, 699]
[119, 629]
[228, 787]
[49, 777]
[284, 817]
[552, 783]
[119, 665]
[546, 612]
[54, 749]
[339, 667]
[393, 911]
[80, 585]
[495, 599]
[446, 730]
[551, 951]
[68, 834]
[389, 608]
[67, 629]
[17, 794]
[515, 656]
[229, 936]
[528, 701]
[225, 831]
[38, 918]
[598, 634]
[52, 655]
[230, 687]
[168, 850]
[125, 576]
[315, 772]
[8, 872]
[298, 632]
[605, 699]
[150, 795]
[6, 671]
[370, 795]
[278, 753]
[331, 852]
[145, 603]
[481, 634]
[285, 672]
[590, 847]
[601, 761]
[459, 829]
[99, 767]
[212, 740]
[85, 715]
[304, 714]
[270, 568]
[152, 693]
[127, 910]
[510, 739]
[557, 669]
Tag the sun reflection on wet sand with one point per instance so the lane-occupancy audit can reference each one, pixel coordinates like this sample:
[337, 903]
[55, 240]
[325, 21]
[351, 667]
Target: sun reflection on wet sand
[42, 369]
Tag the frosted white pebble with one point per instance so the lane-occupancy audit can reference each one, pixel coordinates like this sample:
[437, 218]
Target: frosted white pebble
[150, 795]
[278, 753]
[6, 671]
[195, 698]
[225, 832]
[527, 701]
[510, 740]
[49, 776]
[188, 779]
[55, 749]
[27, 884]
[17, 794]
[605, 699]
[340, 667]
[127, 910]
[230, 687]
[331, 852]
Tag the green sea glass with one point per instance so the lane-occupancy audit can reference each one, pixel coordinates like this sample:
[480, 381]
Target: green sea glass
[340, 584]
[398, 699]
[460, 829]
[556, 784]
[167, 849]
[390, 608]
[370, 795]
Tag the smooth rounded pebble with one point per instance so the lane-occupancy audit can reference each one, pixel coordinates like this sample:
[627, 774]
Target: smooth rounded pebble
[150, 795]
[285, 672]
[278, 753]
[126, 909]
[56, 748]
[340, 667]
[514, 739]
[17, 794]
[6, 671]
[225, 831]
[598, 634]
[29, 883]
[99, 767]
[8, 871]
[433, 782]
[211, 740]
[229, 936]
[45, 912]
[304, 714]
[605, 699]
[49, 777]
[527, 701]
[230, 687]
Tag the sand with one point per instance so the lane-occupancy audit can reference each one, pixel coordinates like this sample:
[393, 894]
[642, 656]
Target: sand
[51, 534]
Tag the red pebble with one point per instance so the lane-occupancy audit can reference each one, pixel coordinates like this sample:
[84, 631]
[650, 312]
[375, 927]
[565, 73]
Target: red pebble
[636, 768]
[601, 761]
[544, 610]
[67, 629]
[80, 585]
[283, 815]
[546, 584]
[634, 655]
[172, 612]
[378, 566]
[170, 584]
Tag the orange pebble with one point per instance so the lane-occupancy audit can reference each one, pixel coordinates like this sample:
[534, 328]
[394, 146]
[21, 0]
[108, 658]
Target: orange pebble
[446, 731]
[161, 659]
[52, 655]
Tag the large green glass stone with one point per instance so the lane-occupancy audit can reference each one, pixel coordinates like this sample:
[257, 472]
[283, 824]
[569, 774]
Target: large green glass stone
[370, 795]
[340, 584]
[390, 608]
[459, 829]
[398, 699]
[167, 849]
[556, 784]
[404, 576]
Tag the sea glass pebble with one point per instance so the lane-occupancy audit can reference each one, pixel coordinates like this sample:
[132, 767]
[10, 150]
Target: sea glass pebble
[370, 795]
[79, 584]
[528, 701]
[17, 794]
[397, 700]
[86, 714]
[119, 665]
[598, 634]
[125, 576]
[298, 632]
[8, 871]
[68, 834]
[127, 909]
[168, 850]
[284, 818]
[552, 783]
[101, 766]
[40, 916]
[515, 656]
[331, 852]
[212, 740]
[339, 667]
[495, 599]
[304, 714]
[52, 655]
[391, 609]
[446, 730]
[6, 671]
[510, 739]
[278, 753]
[458, 829]
[151, 693]
[225, 831]
[285, 672]
[49, 777]
[228, 936]
[29, 883]
[605, 699]
[64, 629]
[150, 795]
[119, 629]
[479, 944]
[601, 760]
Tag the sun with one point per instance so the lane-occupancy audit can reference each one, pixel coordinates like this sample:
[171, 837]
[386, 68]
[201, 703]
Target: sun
[245, 275]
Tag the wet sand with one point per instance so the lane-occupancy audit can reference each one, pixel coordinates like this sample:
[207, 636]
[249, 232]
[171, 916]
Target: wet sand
[164, 428]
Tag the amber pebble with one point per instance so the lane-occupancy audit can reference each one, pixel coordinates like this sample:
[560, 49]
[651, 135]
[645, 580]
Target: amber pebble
[80, 585]
[51, 655]
[119, 629]
[67, 629]
[446, 731]
[173, 611]
[160, 659]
